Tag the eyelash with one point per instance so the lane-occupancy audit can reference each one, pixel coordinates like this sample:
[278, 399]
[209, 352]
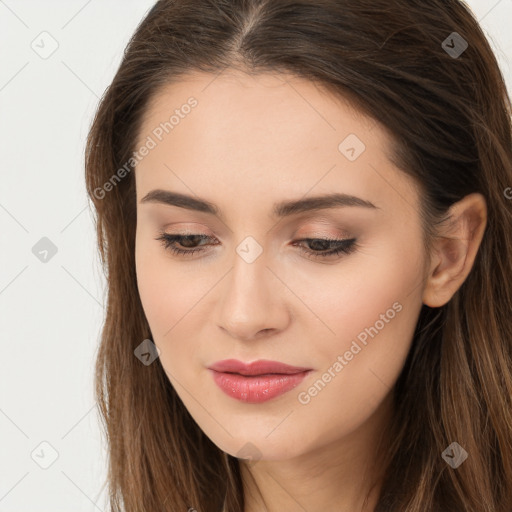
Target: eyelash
[343, 246]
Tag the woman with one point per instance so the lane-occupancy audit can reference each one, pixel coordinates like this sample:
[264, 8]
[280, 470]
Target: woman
[304, 214]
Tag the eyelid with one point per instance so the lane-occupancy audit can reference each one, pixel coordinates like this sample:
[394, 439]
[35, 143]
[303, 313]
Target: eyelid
[197, 229]
[327, 232]
[324, 234]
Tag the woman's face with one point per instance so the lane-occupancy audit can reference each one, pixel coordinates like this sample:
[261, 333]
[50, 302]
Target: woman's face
[254, 289]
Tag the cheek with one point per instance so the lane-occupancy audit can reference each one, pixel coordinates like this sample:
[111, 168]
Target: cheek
[363, 290]
[373, 310]
[152, 285]
[372, 296]
[160, 281]
[170, 294]
[161, 289]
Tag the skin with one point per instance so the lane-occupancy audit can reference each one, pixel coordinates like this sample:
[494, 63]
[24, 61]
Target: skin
[251, 142]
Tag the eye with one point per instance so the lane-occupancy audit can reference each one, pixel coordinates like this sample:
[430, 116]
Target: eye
[341, 246]
[185, 240]
[321, 247]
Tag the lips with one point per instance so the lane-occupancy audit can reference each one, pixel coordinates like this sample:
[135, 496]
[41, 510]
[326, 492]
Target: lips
[261, 367]
[256, 382]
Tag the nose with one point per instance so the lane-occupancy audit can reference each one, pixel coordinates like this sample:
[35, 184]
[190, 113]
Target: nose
[253, 302]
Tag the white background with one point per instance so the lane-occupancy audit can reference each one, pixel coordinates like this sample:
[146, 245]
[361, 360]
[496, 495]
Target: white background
[51, 313]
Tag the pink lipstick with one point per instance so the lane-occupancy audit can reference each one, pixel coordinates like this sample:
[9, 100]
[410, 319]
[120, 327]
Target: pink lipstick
[258, 381]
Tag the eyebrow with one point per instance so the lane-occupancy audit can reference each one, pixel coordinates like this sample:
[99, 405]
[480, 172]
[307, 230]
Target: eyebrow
[281, 209]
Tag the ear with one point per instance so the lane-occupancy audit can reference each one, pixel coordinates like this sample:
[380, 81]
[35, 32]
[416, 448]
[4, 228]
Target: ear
[455, 249]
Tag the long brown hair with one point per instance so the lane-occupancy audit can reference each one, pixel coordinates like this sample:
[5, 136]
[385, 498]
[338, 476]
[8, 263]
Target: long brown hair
[450, 117]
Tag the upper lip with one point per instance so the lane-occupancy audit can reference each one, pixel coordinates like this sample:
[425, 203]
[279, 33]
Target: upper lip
[259, 367]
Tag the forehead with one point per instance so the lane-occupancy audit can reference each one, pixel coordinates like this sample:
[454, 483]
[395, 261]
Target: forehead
[268, 103]
[256, 134]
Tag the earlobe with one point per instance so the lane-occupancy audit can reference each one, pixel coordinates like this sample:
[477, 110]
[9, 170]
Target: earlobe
[455, 249]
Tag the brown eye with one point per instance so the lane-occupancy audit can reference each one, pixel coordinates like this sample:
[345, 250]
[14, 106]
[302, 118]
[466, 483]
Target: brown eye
[191, 240]
[321, 246]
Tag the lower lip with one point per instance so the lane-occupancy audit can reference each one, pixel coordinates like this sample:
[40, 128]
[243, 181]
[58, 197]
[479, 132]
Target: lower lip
[257, 389]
